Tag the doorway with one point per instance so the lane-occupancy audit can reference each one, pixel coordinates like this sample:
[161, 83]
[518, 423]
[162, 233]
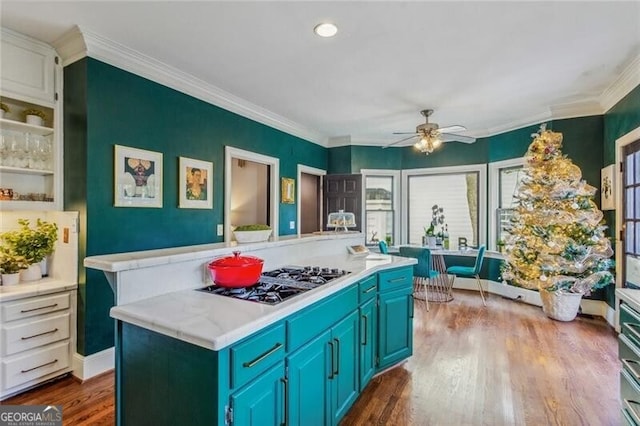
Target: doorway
[258, 174]
[310, 196]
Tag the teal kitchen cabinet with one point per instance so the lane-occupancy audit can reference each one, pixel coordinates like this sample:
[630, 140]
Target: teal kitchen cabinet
[323, 376]
[368, 341]
[261, 402]
[395, 316]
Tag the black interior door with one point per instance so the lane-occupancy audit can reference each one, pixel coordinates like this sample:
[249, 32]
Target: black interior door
[343, 192]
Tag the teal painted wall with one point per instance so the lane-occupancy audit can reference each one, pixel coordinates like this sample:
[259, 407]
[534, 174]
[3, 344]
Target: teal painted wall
[113, 107]
[340, 160]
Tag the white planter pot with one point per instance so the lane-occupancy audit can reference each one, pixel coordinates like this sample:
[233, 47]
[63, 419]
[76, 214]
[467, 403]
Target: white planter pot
[32, 273]
[431, 242]
[1, 113]
[560, 305]
[11, 279]
[34, 119]
[44, 266]
[252, 236]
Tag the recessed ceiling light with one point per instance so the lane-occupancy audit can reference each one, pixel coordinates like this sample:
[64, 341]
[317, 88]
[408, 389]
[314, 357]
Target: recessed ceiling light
[325, 29]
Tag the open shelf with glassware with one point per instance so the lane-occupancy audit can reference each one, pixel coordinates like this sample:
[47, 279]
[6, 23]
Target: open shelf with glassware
[28, 158]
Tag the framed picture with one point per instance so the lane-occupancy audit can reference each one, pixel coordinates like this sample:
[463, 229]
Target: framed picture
[138, 177]
[287, 192]
[195, 184]
[608, 187]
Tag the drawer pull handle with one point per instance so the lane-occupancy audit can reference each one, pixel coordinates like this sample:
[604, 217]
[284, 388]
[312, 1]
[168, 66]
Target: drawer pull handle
[40, 366]
[39, 334]
[263, 356]
[631, 411]
[24, 311]
[285, 382]
[397, 280]
[369, 290]
[627, 363]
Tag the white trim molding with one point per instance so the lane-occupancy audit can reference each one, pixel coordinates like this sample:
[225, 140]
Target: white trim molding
[86, 367]
[231, 153]
[310, 171]
[628, 80]
[79, 43]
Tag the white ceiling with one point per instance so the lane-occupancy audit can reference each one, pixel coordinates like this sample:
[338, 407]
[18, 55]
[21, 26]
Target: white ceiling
[490, 66]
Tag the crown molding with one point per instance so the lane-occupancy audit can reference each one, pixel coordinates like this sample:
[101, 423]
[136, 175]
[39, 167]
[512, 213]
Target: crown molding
[628, 80]
[78, 43]
[338, 141]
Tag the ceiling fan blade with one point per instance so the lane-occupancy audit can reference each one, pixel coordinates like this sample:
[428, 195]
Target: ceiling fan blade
[400, 141]
[404, 133]
[452, 129]
[448, 137]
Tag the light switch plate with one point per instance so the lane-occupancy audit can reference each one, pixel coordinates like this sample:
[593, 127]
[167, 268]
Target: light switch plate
[292, 224]
[220, 230]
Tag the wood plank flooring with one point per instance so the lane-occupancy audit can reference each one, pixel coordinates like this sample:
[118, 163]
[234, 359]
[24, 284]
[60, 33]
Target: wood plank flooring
[506, 364]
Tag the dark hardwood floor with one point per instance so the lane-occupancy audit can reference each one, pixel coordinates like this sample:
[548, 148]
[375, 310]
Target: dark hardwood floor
[506, 364]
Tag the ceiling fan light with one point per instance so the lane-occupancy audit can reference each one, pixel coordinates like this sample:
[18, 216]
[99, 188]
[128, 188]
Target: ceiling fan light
[436, 142]
[325, 29]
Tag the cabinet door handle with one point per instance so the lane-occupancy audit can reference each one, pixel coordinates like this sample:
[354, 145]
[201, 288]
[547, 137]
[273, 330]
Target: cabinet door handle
[263, 356]
[24, 311]
[285, 382]
[411, 302]
[396, 280]
[39, 334]
[369, 290]
[628, 408]
[40, 366]
[337, 357]
[366, 326]
[627, 363]
[331, 373]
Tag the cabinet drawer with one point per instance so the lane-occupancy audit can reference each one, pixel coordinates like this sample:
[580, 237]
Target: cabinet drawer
[28, 335]
[629, 355]
[395, 279]
[320, 316]
[33, 306]
[40, 363]
[256, 354]
[630, 323]
[630, 396]
[368, 289]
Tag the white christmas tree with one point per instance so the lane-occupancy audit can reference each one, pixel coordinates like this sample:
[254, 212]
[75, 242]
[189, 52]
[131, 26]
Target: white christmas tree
[556, 240]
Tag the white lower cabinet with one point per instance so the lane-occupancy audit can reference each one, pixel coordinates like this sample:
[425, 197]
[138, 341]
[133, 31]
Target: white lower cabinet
[37, 338]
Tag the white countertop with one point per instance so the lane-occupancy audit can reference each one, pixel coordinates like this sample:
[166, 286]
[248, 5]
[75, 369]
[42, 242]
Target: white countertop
[215, 322]
[147, 258]
[36, 288]
[630, 296]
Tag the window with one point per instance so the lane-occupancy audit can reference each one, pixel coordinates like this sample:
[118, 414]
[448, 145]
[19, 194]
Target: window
[459, 191]
[380, 205]
[504, 178]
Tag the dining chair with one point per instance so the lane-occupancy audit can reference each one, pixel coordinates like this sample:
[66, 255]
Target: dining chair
[470, 271]
[423, 271]
[384, 249]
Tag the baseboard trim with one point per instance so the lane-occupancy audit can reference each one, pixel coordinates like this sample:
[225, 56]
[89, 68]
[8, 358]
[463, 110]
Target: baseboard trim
[86, 367]
[589, 307]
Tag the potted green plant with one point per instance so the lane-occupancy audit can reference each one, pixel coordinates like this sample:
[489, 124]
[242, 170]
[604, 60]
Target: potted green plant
[34, 116]
[252, 233]
[4, 108]
[34, 244]
[10, 266]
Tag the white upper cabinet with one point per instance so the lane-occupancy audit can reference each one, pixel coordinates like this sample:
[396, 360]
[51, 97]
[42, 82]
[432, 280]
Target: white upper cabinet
[28, 69]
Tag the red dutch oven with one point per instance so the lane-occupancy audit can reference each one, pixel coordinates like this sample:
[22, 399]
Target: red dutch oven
[236, 271]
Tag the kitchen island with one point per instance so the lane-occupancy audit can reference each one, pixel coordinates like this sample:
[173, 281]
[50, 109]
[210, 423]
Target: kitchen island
[191, 357]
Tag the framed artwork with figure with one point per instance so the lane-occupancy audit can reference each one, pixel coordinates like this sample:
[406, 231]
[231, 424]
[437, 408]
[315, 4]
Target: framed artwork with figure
[607, 188]
[195, 184]
[138, 177]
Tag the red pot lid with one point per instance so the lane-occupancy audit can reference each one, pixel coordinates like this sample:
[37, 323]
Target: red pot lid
[237, 261]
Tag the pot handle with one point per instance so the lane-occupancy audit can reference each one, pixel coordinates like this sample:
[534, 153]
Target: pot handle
[236, 253]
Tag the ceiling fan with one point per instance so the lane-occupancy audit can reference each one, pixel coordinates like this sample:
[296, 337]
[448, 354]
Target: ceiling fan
[431, 135]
